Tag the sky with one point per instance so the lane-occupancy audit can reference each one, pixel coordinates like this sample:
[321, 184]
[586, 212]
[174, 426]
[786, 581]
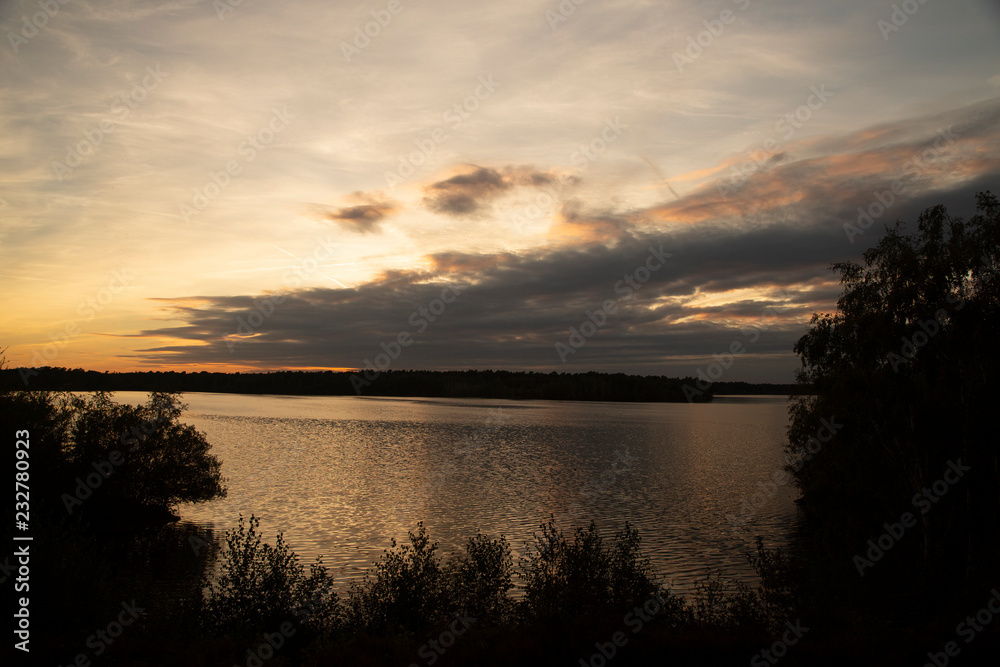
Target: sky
[621, 186]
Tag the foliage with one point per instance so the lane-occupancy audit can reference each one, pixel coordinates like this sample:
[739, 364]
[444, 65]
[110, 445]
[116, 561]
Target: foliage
[261, 587]
[779, 593]
[907, 366]
[164, 462]
[722, 604]
[479, 581]
[405, 593]
[565, 579]
[138, 454]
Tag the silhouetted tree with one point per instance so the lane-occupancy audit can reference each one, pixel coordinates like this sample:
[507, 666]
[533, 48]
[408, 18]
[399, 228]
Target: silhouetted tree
[905, 374]
[162, 462]
[95, 453]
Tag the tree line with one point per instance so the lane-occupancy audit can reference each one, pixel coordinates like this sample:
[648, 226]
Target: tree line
[590, 386]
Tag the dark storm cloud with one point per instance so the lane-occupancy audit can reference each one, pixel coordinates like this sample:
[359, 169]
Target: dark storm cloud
[512, 309]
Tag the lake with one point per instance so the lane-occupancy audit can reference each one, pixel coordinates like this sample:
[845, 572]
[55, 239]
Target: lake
[340, 476]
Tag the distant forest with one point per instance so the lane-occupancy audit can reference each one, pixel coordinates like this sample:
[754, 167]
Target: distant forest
[590, 386]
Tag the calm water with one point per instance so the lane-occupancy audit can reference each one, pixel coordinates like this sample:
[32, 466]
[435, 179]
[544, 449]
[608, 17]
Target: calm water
[340, 476]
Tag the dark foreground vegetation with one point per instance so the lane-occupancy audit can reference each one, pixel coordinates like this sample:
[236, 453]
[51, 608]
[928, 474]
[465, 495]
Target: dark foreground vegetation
[894, 451]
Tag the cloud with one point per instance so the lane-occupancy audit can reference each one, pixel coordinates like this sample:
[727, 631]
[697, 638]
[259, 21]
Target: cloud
[466, 193]
[575, 224]
[364, 217]
[513, 308]
[759, 256]
[489, 220]
[929, 155]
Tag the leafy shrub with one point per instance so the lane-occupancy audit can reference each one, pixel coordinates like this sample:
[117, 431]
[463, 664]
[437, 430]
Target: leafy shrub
[405, 593]
[566, 579]
[47, 417]
[478, 582]
[719, 604]
[780, 578]
[163, 462]
[262, 586]
[632, 579]
[906, 367]
[142, 455]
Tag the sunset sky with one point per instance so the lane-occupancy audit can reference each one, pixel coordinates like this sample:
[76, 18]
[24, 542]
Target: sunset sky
[256, 185]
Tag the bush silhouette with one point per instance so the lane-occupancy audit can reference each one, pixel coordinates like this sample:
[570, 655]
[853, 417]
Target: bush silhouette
[479, 581]
[567, 579]
[260, 587]
[110, 460]
[405, 593]
[163, 463]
